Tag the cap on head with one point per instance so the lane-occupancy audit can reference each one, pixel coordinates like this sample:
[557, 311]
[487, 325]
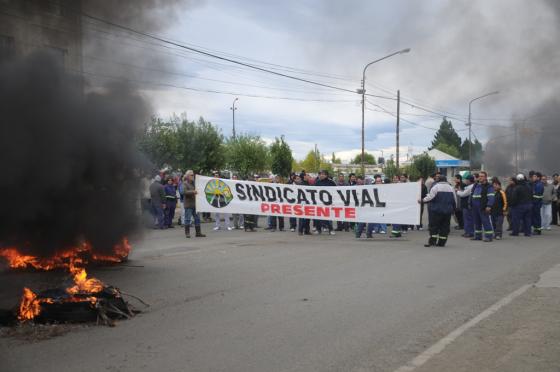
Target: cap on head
[520, 177]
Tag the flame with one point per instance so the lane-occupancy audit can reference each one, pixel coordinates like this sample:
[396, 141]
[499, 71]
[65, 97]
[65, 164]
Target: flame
[61, 259]
[74, 261]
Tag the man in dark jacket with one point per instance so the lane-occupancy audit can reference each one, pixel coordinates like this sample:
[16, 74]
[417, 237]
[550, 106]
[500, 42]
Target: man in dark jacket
[538, 191]
[521, 206]
[322, 181]
[442, 204]
[483, 198]
[157, 196]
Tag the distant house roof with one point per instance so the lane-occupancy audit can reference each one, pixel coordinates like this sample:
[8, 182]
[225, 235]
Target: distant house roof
[444, 160]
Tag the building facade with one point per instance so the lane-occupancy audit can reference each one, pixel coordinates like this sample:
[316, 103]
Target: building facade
[51, 25]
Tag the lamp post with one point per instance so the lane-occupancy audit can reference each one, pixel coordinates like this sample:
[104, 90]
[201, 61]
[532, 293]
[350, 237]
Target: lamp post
[233, 108]
[362, 91]
[469, 124]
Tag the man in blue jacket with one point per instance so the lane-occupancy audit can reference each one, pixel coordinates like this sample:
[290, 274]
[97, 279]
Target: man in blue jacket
[483, 197]
[442, 204]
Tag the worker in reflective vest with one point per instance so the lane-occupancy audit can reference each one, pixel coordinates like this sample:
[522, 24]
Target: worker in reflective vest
[482, 201]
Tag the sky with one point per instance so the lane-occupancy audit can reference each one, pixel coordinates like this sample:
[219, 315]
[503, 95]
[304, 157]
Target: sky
[460, 49]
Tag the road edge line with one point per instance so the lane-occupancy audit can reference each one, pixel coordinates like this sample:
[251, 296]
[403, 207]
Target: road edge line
[439, 346]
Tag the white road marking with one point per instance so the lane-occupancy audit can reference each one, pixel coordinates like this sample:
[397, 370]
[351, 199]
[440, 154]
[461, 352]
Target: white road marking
[439, 346]
[550, 279]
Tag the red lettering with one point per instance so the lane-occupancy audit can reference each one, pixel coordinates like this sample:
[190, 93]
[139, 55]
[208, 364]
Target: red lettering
[349, 212]
[309, 210]
[286, 209]
[275, 208]
[298, 210]
[265, 207]
[337, 211]
[323, 211]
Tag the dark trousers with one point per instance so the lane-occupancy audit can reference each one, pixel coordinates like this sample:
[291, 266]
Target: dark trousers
[468, 222]
[440, 224]
[320, 224]
[536, 219]
[170, 206]
[482, 223]
[303, 225]
[498, 223]
[342, 226]
[157, 212]
[554, 213]
[277, 221]
[293, 223]
[459, 216]
[521, 214]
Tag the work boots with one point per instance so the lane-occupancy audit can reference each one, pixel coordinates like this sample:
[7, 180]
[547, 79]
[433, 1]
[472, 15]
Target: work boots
[432, 242]
[198, 233]
[188, 231]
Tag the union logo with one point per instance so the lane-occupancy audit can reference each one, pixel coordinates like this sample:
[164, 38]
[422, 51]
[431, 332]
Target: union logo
[218, 194]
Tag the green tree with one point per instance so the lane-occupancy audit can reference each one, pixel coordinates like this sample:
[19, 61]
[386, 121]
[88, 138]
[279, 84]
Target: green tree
[247, 155]
[390, 169]
[422, 166]
[200, 146]
[477, 152]
[335, 160]
[448, 149]
[368, 159]
[446, 135]
[159, 143]
[179, 143]
[281, 157]
[314, 162]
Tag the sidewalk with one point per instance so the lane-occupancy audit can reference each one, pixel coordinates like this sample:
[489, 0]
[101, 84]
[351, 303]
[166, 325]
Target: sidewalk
[524, 335]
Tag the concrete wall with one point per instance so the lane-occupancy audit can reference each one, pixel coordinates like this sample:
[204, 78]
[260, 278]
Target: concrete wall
[54, 25]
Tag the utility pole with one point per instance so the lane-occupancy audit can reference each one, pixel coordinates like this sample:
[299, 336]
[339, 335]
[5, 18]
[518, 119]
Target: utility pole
[362, 91]
[233, 108]
[398, 125]
[469, 124]
[516, 149]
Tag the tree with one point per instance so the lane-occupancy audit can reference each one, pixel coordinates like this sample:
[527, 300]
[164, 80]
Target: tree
[422, 166]
[448, 149]
[446, 135]
[477, 152]
[200, 146]
[314, 162]
[368, 159]
[178, 143]
[159, 143]
[390, 169]
[247, 155]
[281, 157]
[335, 160]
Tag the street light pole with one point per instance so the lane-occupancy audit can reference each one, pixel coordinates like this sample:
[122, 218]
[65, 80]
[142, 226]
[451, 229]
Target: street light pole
[362, 91]
[469, 124]
[233, 108]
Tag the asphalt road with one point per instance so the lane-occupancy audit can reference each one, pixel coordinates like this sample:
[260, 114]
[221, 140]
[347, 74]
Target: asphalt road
[267, 301]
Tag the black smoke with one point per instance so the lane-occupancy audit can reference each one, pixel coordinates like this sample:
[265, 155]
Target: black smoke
[68, 159]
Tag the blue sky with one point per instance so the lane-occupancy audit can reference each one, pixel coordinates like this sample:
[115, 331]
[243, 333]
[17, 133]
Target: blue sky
[460, 50]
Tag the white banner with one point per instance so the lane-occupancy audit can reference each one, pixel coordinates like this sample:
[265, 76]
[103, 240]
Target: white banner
[388, 203]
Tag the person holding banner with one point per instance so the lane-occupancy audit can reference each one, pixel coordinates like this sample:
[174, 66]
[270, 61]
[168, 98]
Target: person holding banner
[324, 180]
[442, 205]
[189, 201]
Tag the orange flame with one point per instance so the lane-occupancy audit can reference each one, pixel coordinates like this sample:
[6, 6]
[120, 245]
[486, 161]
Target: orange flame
[73, 260]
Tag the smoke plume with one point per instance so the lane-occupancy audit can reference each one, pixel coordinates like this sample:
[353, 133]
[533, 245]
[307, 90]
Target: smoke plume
[69, 162]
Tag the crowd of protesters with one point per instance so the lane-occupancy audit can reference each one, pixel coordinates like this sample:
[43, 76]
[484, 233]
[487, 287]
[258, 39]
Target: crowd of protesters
[529, 204]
